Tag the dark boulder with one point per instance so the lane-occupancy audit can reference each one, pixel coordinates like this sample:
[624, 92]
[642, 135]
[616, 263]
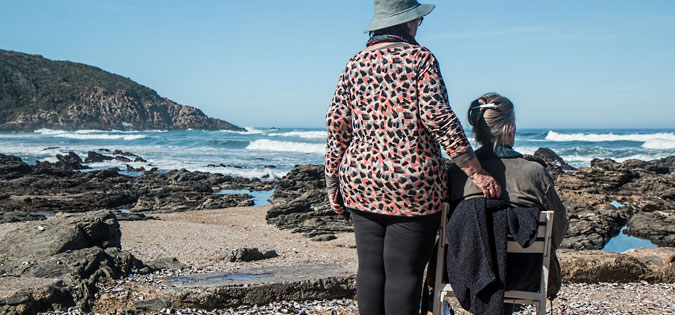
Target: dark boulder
[548, 156]
[70, 161]
[122, 159]
[592, 266]
[300, 204]
[124, 153]
[61, 234]
[77, 250]
[95, 157]
[165, 263]
[249, 254]
[552, 161]
[656, 226]
[12, 167]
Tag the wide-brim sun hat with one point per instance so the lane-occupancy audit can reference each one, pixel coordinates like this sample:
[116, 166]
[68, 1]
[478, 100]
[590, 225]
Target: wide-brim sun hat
[393, 12]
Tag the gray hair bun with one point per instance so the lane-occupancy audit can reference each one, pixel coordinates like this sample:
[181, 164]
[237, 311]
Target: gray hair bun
[489, 116]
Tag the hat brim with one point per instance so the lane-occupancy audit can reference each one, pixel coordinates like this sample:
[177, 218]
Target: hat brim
[403, 17]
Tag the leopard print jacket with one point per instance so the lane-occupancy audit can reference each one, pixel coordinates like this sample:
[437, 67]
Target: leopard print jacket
[387, 118]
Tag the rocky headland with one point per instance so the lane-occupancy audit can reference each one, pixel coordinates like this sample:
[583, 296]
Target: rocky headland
[36, 92]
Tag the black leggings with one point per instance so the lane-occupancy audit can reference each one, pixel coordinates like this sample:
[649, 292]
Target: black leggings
[393, 252]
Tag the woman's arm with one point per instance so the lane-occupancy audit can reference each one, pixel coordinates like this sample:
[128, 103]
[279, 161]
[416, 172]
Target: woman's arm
[444, 125]
[339, 124]
[559, 214]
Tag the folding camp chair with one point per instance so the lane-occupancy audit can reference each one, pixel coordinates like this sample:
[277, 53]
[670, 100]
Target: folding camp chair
[542, 245]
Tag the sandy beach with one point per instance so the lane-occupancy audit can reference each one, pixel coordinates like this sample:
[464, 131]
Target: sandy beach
[201, 239]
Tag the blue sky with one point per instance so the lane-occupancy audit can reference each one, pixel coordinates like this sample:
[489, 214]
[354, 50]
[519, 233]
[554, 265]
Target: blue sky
[565, 64]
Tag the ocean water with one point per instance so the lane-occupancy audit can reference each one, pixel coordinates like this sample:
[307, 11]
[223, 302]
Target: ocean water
[623, 242]
[270, 153]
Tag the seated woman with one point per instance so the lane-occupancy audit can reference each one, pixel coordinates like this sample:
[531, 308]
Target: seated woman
[525, 184]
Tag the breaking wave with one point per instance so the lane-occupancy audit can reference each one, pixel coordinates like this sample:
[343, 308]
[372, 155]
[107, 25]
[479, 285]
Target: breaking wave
[286, 146]
[601, 137]
[303, 134]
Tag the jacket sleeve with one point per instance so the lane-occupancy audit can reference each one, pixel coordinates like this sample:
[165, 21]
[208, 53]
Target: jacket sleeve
[339, 124]
[436, 114]
[559, 214]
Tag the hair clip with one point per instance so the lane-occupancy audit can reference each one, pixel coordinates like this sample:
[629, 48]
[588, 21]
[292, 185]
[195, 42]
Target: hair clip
[488, 106]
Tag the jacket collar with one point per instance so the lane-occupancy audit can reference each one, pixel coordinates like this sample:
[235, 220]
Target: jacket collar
[501, 151]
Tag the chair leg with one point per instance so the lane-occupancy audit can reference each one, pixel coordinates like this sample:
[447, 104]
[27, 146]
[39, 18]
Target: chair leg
[541, 307]
[439, 297]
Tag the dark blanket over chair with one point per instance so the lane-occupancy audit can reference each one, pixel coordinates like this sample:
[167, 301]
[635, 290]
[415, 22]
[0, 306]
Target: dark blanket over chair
[477, 240]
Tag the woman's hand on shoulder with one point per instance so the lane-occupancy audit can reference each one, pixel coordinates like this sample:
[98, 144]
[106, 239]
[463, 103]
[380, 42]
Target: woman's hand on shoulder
[488, 184]
[481, 178]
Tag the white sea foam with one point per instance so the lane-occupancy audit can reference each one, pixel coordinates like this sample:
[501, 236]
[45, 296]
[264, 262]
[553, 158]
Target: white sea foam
[578, 160]
[661, 144]
[598, 137]
[643, 157]
[200, 166]
[303, 134]
[526, 150]
[286, 146]
[248, 131]
[34, 151]
[585, 160]
[264, 173]
[90, 134]
[102, 137]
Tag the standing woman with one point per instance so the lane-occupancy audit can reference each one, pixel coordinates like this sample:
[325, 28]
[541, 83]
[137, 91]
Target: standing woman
[387, 118]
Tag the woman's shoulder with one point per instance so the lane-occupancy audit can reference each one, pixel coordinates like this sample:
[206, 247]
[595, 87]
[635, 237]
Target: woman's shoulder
[529, 168]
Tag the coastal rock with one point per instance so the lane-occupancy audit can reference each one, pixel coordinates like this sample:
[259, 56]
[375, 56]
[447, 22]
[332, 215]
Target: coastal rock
[66, 233]
[125, 153]
[249, 254]
[156, 304]
[552, 161]
[636, 187]
[656, 226]
[73, 251]
[655, 265]
[205, 292]
[596, 179]
[600, 199]
[132, 216]
[12, 167]
[61, 187]
[122, 159]
[591, 266]
[94, 157]
[226, 201]
[300, 203]
[70, 161]
[592, 229]
[71, 96]
[33, 295]
[19, 216]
